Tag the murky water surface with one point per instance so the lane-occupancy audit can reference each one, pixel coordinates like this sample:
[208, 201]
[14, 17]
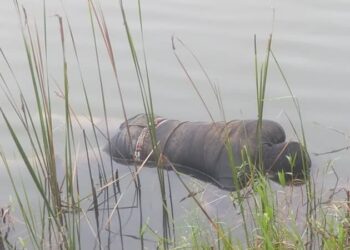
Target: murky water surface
[311, 41]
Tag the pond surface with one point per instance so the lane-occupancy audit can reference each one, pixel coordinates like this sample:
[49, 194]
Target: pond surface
[311, 41]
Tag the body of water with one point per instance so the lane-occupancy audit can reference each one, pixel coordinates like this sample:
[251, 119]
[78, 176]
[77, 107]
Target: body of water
[311, 41]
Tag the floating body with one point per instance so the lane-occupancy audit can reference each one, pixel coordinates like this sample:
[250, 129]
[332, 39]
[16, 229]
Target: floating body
[214, 151]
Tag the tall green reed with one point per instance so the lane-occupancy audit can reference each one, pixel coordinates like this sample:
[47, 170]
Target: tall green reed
[264, 213]
[146, 95]
[310, 189]
[43, 170]
[236, 174]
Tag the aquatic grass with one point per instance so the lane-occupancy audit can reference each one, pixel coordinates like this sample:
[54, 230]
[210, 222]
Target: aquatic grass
[255, 178]
[266, 208]
[261, 82]
[66, 221]
[62, 222]
[273, 228]
[99, 18]
[218, 229]
[44, 105]
[97, 13]
[25, 212]
[94, 195]
[236, 174]
[146, 96]
[332, 226]
[61, 209]
[65, 95]
[147, 102]
[199, 239]
[265, 213]
[310, 190]
[69, 146]
[195, 236]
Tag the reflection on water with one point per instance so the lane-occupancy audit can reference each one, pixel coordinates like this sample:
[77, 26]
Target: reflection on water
[311, 41]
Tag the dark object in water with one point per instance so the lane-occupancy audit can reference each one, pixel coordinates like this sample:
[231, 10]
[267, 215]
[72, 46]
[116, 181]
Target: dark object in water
[198, 149]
